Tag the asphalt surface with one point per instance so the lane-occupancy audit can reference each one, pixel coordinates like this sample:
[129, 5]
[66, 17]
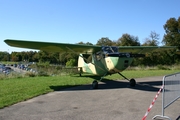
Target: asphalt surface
[114, 100]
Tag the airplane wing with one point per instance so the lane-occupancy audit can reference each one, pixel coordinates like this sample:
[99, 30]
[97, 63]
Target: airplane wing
[79, 48]
[144, 49]
[53, 47]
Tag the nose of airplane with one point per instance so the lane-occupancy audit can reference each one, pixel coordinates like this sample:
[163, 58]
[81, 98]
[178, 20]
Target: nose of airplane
[119, 55]
[125, 55]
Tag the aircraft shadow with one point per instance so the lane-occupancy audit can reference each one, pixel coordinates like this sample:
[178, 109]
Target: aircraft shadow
[178, 118]
[113, 84]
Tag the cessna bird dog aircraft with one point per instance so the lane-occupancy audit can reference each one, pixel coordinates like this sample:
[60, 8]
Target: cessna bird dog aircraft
[106, 60]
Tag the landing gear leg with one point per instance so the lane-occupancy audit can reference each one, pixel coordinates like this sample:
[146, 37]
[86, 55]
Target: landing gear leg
[95, 84]
[80, 71]
[132, 81]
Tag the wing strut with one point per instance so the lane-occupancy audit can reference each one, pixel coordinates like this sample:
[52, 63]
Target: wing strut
[131, 81]
[123, 76]
[95, 82]
[85, 58]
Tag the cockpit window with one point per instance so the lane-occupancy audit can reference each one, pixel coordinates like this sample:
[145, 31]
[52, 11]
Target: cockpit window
[109, 49]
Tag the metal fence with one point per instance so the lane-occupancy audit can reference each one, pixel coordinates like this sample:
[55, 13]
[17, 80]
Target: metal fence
[171, 92]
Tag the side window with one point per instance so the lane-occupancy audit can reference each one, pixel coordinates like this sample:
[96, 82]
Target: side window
[109, 49]
[98, 56]
[115, 49]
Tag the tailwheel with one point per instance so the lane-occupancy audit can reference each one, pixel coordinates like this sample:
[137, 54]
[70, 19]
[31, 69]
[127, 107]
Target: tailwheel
[132, 82]
[95, 84]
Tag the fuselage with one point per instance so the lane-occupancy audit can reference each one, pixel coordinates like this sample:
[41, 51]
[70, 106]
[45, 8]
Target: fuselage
[104, 63]
[117, 64]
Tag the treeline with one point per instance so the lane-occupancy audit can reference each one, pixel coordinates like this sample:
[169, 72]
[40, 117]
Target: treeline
[70, 59]
[170, 38]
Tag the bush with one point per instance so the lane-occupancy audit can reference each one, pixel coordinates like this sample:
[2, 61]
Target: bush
[30, 74]
[161, 67]
[71, 62]
[42, 73]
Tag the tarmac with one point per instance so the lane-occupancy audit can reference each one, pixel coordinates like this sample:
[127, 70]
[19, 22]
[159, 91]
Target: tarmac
[114, 100]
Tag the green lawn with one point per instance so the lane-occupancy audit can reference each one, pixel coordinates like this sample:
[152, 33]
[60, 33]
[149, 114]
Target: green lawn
[13, 90]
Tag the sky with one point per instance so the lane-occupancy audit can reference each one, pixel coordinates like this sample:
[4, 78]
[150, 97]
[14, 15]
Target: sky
[73, 21]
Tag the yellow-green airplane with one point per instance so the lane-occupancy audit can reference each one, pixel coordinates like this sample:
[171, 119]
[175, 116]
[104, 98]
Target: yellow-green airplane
[106, 60]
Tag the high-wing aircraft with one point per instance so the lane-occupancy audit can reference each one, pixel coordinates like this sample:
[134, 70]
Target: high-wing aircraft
[106, 60]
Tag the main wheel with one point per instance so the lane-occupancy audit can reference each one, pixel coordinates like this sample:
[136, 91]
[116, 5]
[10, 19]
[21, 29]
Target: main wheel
[132, 82]
[95, 84]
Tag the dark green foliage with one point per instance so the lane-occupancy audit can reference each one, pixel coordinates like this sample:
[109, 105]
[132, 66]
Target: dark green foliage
[4, 56]
[71, 62]
[128, 40]
[88, 43]
[172, 29]
[104, 41]
[58, 67]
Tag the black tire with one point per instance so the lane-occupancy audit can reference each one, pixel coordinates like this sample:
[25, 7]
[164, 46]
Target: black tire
[132, 82]
[94, 84]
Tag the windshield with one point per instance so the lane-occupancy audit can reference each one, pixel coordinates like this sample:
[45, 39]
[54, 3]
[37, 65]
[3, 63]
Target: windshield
[109, 49]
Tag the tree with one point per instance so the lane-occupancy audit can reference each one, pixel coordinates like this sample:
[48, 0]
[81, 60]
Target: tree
[128, 40]
[14, 57]
[88, 43]
[104, 41]
[152, 40]
[71, 62]
[62, 58]
[4, 56]
[30, 56]
[172, 30]
[54, 57]
[43, 56]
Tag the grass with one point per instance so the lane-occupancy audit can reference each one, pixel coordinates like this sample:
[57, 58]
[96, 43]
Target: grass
[142, 73]
[14, 90]
[19, 89]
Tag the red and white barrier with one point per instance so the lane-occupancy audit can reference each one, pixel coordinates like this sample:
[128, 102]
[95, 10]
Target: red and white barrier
[147, 112]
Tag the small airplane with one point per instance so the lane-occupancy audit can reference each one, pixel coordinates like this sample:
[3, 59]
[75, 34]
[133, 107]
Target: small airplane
[106, 60]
